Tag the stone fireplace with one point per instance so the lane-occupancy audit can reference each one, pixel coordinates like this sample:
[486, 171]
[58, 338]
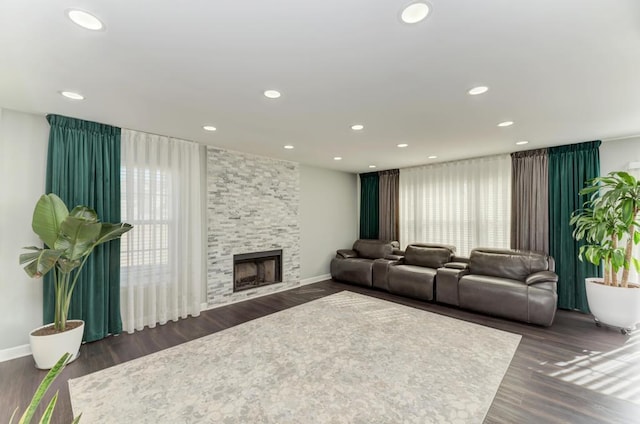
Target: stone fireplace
[256, 269]
[253, 205]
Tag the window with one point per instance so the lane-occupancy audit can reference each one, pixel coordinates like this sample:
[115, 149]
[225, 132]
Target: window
[465, 203]
[145, 205]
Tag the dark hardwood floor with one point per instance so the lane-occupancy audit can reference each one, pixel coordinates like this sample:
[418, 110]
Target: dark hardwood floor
[572, 372]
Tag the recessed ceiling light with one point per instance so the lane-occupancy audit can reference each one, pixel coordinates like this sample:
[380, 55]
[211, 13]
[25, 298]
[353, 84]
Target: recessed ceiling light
[337, 158]
[415, 12]
[403, 145]
[478, 90]
[272, 94]
[433, 157]
[505, 124]
[522, 142]
[357, 127]
[85, 19]
[288, 147]
[209, 128]
[72, 95]
[372, 166]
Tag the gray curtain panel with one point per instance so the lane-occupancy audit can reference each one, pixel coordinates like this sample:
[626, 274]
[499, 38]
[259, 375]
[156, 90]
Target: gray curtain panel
[389, 204]
[530, 200]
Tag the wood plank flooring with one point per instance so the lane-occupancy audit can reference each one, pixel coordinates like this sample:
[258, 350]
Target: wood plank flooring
[572, 372]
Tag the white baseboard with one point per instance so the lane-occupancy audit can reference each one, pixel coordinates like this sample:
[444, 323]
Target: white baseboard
[306, 281]
[15, 352]
[315, 279]
[25, 350]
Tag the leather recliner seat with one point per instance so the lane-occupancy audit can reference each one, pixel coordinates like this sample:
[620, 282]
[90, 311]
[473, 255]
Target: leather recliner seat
[356, 265]
[519, 285]
[414, 275]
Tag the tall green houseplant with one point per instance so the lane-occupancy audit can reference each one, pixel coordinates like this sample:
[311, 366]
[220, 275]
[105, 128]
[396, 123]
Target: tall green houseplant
[69, 239]
[608, 223]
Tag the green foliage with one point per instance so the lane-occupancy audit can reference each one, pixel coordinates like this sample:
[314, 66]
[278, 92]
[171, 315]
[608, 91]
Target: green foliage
[609, 216]
[42, 389]
[69, 239]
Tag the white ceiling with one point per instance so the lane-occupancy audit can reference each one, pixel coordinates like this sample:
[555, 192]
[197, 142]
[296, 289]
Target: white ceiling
[564, 70]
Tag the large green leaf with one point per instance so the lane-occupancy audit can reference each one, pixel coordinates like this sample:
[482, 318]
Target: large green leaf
[39, 262]
[77, 237]
[48, 215]
[48, 413]
[43, 387]
[84, 212]
[636, 264]
[112, 231]
[628, 211]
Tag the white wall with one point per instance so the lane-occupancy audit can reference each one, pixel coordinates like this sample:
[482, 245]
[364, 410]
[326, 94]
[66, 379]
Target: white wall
[328, 217]
[615, 155]
[23, 155]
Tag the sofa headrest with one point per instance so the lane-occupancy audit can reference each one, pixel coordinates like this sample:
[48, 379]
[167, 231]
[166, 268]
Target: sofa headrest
[372, 249]
[506, 263]
[428, 255]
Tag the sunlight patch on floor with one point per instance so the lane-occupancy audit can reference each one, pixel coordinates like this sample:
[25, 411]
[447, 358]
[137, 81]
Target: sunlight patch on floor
[613, 373]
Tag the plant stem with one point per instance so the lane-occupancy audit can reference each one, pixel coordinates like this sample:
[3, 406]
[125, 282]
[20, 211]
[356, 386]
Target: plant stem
[614, 274]
[69, 290]
[629, 250]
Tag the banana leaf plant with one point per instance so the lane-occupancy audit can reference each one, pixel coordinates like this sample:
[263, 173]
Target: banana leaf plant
[30, 412]
[69, 239]
[608, 223]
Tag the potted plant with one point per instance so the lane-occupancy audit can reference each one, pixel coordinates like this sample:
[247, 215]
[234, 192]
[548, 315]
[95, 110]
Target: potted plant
[608, 223]
[69, 239]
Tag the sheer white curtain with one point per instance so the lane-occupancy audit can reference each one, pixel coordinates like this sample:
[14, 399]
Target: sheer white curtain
[162, 257]
[465, 203]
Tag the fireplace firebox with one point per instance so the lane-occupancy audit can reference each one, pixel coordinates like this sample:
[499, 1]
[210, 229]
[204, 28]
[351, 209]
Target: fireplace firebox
[251, 270]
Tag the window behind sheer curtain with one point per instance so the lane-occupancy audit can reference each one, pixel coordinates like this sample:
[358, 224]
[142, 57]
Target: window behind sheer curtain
[162, 257]
[464, 203]
[145, 205]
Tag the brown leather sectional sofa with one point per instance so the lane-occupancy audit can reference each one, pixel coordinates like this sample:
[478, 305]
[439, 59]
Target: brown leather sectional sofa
[511, 284]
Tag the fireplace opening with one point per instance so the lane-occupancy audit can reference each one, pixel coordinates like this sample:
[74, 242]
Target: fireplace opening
[256, 269]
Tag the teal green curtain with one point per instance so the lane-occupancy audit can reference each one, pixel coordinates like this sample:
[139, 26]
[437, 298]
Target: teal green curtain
[570, 167]
[83, 168]
[369, 205]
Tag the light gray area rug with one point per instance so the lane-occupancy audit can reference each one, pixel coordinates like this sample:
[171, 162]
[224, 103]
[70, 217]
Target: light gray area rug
[345, 358]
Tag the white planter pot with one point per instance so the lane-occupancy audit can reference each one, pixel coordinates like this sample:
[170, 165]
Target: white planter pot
[47, 350]
[615, 306]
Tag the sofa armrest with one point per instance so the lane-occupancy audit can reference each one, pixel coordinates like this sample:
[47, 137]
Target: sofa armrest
[346, 254]
[447, 280]
[394, 257]
[456, 265]
[541, 277]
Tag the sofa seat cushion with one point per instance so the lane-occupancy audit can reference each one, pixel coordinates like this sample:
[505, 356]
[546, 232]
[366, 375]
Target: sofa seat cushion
[497, 296]
[411, 281]
[352, 270]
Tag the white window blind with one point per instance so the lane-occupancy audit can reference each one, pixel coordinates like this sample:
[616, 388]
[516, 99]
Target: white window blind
[465, 203]
[162, 257]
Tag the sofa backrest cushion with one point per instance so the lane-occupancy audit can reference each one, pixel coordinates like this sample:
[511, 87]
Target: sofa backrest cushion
[372, 249]
[428, 255]
[513, 264]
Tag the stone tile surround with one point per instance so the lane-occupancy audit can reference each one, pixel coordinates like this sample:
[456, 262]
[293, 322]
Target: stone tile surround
[253, 205]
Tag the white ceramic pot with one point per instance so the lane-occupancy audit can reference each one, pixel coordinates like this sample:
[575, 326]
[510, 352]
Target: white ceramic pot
[47, 350]
[615, 306]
